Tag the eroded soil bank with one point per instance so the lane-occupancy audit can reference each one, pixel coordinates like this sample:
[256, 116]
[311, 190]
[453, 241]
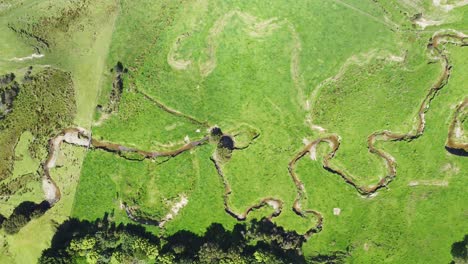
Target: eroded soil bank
[456, 143]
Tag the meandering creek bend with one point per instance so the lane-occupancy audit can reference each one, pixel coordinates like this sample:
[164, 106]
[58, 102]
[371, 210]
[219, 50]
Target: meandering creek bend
[83, 138]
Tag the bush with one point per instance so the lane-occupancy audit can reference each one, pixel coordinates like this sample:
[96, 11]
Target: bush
[14, 223]
[22, 214]
[460, 251]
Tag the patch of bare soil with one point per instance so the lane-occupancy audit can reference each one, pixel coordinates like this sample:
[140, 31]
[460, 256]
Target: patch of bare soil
[30, 57]
[174, 210]
[428, 183]
[442, 4]
[457, 142]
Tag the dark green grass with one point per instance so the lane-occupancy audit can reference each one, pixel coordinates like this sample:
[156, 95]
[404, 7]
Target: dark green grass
[96, 193]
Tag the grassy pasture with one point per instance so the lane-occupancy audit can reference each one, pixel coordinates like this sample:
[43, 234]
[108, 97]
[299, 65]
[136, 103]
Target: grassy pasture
[20, 248]
[230, 102]
[403, 223]
[140, 123]
[249, 86]
[252, 84]
[151, 187]
[355, 107]
[265, 66]
[78, 47]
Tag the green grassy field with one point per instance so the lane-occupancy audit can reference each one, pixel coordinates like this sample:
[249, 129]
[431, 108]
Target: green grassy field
[389, 69]
[276, 76]
[395, 224]
[78, 46]
[254, 82]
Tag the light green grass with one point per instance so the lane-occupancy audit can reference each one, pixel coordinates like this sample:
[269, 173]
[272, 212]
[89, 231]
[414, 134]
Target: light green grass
[249, 86]
[21, 248]
[252, 84]
[402, 224]
[81, 49]
[386, 95]
[25, 164]
[141, 124]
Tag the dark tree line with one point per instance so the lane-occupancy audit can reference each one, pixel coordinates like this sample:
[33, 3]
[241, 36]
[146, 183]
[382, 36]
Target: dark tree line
[103, 241]
[22, 214]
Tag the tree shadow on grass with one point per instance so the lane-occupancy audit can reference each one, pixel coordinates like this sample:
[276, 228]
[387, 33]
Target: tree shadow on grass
[22, 215]
[458, 152]
[256, 241]
[460, 251]
[245, 241]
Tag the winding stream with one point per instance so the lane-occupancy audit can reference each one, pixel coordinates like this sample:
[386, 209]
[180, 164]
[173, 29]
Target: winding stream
[386, 135]
[83, 138]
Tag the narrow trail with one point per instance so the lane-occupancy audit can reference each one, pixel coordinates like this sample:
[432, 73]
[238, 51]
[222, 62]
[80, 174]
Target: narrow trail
[455, 139]
[160, 105]
[391, 25]
[174, 112]
[254, 27]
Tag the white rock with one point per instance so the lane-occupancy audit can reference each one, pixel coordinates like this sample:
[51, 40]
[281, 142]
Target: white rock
[336, 211]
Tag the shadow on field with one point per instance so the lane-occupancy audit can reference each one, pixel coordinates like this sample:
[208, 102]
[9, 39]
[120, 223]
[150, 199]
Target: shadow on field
[253, 241]
[22, 215]
[458, 152]
[460, 251]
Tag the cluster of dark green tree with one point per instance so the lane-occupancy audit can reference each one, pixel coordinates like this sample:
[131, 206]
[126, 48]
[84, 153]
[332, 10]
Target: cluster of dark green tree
[22, 214]
[460, 251]
[42, 103]
[103, 241]
[8, 92]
